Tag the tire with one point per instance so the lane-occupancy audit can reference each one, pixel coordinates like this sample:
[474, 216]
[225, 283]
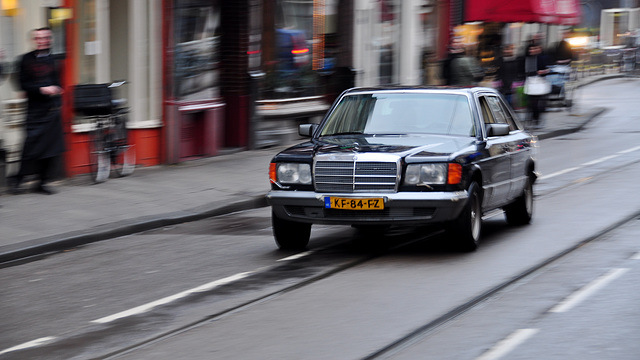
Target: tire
[520, 211]
[99, 163]
[123, 158]
[466, 229]
[290, 235]
[568, 103]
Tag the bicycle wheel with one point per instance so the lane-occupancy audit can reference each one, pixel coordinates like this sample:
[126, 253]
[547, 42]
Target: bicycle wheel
[123, 158]
[99, 165]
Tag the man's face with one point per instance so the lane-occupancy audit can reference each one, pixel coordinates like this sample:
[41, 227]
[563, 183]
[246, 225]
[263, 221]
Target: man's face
[42, 39]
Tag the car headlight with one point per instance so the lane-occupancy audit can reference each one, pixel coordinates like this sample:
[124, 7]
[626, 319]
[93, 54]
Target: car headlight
[433, 174]
[292, 173]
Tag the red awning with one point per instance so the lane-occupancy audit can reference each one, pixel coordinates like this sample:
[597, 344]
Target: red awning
[560, 12]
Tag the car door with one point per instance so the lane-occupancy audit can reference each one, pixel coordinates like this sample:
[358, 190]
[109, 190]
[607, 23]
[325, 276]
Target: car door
[513, 144]
[520, 152]
[497, 166]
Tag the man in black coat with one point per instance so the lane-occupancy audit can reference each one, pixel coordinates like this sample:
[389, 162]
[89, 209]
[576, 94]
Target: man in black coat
[508, 71]
[44, 140]
[535, 64]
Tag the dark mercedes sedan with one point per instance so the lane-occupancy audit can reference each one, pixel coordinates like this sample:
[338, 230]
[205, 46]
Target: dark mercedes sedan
[405, 156]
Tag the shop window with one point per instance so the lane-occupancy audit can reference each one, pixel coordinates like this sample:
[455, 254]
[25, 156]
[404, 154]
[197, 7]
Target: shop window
[301, 43]
[89, 44]
[388, 41]
[197, 50]
[56, 18]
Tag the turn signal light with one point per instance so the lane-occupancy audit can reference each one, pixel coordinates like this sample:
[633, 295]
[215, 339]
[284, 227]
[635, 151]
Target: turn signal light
[272, 173]
[455, 173]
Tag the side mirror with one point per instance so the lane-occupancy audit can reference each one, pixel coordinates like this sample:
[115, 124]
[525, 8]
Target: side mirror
[498, 129]
[307, 130]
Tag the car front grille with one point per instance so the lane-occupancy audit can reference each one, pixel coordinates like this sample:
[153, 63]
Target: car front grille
[355, 176]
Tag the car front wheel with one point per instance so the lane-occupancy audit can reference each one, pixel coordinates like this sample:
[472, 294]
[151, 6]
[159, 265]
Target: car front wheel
[465, 230]
[290, 235]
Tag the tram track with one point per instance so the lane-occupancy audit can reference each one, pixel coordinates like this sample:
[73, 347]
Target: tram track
[322, 263]
[432, 326]
[95, 336]
[400, 343]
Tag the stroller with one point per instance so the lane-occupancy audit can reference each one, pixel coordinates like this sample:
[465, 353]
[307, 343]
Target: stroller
[559, 76]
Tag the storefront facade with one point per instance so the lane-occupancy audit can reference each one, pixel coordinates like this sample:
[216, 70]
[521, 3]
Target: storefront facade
[192, 103]
[208, 75]
[95, 41]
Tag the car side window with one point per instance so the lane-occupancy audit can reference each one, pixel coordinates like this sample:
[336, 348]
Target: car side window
[496, 109]
[487, 117]
[507, 114]
[512, 122]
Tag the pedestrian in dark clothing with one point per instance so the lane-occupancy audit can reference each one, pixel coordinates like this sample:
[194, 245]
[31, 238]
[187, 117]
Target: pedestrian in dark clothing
[464, 70]
[44, 139]
[563, 53]
[454, 51]
[508, 71]
[535, 64]
[1, 69]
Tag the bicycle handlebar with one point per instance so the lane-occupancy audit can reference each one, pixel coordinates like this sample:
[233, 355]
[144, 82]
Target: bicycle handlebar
[116, 84]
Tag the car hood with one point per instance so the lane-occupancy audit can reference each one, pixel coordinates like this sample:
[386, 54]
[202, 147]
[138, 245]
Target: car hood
[420, 145]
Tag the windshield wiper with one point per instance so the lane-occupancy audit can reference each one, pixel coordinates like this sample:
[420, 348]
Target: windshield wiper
[345, 133]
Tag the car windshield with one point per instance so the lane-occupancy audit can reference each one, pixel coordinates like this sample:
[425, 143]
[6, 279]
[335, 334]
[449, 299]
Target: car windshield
[401, 113]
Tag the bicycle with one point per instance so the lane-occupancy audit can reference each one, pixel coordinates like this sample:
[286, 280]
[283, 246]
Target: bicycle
[109, 146]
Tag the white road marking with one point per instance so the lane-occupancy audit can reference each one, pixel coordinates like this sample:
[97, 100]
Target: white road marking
[593, 162]
[30, 344]
[629, 150]
[507, 344]
[602, 159]
[296, 256]
[146, 307]
[588, 290]
[558, 173]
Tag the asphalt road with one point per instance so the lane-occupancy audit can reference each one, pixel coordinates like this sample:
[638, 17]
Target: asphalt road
[217, 288]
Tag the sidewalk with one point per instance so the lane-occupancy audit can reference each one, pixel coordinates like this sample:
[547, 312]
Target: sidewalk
[33, 224]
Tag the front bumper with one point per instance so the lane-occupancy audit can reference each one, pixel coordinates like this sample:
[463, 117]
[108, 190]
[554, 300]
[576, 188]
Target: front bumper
[399, 208]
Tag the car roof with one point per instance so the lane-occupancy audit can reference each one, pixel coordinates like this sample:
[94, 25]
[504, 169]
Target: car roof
[430, 89]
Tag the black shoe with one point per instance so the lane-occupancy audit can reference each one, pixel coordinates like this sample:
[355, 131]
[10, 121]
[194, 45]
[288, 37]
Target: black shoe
[42, 189]
[14, 190]
[14, 185]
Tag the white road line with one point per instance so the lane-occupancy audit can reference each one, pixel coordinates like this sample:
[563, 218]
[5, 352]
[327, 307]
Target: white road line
[30, 344]
[602, 159]
[580, 295]
[629, 150]
[593, 162]
[636, 256]
[296, 256]
[146, 307]
[558, 173]
[509, 343]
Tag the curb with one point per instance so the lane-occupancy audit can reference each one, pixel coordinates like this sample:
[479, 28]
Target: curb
[43, 246]
[560, 132]
[605, 77]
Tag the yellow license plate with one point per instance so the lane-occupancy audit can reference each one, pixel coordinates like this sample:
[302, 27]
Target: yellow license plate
[331, 202]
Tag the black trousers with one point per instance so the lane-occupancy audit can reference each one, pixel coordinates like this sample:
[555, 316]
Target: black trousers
[536, 107]
[40, 167]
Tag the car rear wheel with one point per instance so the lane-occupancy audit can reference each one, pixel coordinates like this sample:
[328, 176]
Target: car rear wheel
[465, 230]
[520, 211]
[290, 235]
